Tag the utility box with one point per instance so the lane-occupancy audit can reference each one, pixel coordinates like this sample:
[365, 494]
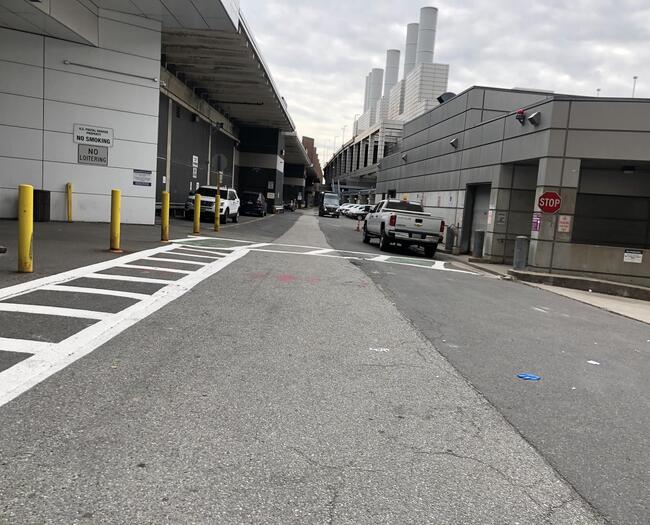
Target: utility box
[41, 206]
[520, 260]
[450, 237]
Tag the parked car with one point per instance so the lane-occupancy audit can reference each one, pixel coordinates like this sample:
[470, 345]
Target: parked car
[359, 211]
[343, 207]
[329, 203]
[253, 203]
[228, 205]
[403, 222]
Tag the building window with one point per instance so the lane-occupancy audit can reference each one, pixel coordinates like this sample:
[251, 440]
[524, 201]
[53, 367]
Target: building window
[612, 220]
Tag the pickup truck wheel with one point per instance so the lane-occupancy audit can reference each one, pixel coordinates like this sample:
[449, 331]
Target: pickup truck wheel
[430, 251]
[236, 217]
[366, 237]
[225, 216]
[383, 242]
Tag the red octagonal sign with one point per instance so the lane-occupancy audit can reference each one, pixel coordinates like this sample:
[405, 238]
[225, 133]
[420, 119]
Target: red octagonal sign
[549, 202]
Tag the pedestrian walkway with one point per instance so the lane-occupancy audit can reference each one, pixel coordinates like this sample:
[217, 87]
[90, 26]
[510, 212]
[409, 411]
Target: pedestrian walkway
[48, 323]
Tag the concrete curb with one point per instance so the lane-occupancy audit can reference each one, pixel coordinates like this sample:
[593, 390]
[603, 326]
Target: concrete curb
[585, 284]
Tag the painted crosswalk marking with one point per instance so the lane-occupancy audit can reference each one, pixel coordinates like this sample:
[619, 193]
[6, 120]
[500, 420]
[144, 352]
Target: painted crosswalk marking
[211, 243]
[47, 358]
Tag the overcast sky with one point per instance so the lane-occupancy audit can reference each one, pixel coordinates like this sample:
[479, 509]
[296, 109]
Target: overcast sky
[319, 51]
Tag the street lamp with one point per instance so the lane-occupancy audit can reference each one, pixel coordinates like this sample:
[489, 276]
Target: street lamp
[635, 77]
[597, 92]
[343, 135]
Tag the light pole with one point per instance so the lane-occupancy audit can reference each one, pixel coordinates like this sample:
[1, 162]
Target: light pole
[597, 92]
[634, 78]
[343, 135]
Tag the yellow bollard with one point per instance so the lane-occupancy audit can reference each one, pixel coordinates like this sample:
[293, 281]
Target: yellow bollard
[197, 213]
[25, 228]
[217, 205]
[217, 217]
[68, 192]
[164, 217]
[116, 197]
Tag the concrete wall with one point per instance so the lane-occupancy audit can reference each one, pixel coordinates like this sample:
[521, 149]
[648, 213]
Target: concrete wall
[41, 98]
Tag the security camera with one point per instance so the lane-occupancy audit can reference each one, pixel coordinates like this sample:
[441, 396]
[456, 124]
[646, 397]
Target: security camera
[535, 118]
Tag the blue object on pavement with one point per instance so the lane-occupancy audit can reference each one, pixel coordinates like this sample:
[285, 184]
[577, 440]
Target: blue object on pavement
[529, 377]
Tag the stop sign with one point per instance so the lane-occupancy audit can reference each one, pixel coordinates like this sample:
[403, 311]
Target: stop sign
[549, 202]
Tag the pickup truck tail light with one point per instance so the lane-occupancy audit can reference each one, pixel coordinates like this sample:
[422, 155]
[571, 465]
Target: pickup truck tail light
[442, 226]
[393, 220]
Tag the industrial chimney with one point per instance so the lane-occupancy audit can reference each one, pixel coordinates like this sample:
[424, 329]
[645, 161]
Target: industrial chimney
[426, 35]
[410, 49]
[392, 70]
[374, 91]
[367, 94]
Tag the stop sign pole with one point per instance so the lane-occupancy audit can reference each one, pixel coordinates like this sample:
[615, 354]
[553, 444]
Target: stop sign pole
[549, 202]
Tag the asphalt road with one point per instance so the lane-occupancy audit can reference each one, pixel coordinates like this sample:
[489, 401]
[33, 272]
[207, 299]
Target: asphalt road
[282, 382]
[590, 421]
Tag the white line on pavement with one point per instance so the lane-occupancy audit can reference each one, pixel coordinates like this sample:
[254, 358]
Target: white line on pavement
[52, 310]
[96, 291]
[154, 268]
[175, 261]
[321, 252]
[380, 258]
[29, 372]
[24, 345]
[180, 250]
[128, 278]
[86, 271]
[195, 254]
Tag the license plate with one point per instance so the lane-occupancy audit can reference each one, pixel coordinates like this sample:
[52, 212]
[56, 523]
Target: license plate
[402, 235]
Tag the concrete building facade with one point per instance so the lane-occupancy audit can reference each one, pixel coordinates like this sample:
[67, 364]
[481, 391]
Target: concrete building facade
[483, 159]
[138, 96]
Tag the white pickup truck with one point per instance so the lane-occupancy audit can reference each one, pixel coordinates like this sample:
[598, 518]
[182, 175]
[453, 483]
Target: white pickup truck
[403, 222]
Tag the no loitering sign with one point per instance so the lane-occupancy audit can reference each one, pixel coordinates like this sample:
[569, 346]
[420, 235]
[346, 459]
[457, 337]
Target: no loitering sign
[94, 155]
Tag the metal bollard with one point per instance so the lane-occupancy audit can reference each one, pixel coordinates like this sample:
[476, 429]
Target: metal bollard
[479, 240]
[68, 192]
[520, 259]
[164, 217]
[197, 214]
[25, 228]
[116, 209]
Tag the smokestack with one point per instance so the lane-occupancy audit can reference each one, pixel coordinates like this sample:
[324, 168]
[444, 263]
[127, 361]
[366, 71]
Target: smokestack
[392, 70]
[410, 49]
[367, 94]
[426, 35]
[376, 81]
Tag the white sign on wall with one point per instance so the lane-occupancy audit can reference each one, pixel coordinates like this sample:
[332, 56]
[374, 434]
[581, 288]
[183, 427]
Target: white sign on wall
[95, 155]
[564, 223]
[142, 178]
[92, 135]
[633, 256]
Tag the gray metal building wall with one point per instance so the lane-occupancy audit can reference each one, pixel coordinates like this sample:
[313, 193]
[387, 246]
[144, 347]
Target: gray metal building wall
[578, 149]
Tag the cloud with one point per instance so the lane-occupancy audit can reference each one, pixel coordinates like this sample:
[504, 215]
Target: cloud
[320, 52]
